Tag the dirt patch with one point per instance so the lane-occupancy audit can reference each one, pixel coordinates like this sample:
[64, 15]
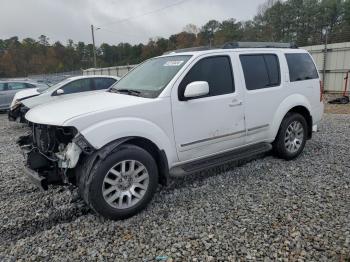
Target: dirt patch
[335, 109]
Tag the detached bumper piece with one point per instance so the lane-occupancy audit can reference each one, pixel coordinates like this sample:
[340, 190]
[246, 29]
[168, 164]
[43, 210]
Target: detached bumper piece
[36, 179]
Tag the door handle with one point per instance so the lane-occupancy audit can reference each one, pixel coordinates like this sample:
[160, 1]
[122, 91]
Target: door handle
[236, 103]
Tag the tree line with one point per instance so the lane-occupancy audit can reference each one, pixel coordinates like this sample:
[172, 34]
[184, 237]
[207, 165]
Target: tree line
[305, 22]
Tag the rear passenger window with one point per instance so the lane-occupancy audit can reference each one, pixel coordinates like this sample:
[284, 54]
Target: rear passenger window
[216, 71]
[301, 67]
[103, 83]
[261, 71]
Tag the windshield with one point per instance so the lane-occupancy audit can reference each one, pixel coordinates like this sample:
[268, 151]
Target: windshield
[42, 88]
[151, 77]
[54, 87]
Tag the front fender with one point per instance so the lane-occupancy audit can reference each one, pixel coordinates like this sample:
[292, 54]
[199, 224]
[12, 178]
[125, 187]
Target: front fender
[102, 133]
[287, 104]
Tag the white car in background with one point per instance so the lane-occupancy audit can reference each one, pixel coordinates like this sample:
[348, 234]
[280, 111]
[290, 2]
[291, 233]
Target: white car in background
[68, 88]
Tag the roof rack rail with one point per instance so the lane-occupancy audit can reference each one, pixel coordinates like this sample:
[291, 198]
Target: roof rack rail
[190, 49]
[233, 45]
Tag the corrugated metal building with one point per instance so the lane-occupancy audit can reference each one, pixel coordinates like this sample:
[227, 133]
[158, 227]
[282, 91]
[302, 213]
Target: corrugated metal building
[336, 61]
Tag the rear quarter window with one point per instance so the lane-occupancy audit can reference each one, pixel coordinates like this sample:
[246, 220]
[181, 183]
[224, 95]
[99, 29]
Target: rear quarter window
[301, 67]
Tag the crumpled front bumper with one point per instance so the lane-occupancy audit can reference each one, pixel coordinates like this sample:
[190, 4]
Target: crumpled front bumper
[17, 113]
[37, 168]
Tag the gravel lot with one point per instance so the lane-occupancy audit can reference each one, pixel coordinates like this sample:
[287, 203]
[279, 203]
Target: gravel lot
[263, 209]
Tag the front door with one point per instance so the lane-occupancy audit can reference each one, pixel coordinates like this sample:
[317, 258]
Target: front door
[213, 123]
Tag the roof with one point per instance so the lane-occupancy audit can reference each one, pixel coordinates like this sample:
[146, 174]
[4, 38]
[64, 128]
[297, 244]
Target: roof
[213, 51]
[19, 81]
[238, 47]
[92, 76]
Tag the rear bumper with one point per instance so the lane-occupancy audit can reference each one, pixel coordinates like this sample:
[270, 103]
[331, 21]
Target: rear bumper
[317, 114]
[35, 178]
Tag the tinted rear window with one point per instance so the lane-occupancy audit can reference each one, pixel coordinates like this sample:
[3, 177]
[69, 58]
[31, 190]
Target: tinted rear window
[260, 71]
[301, 67]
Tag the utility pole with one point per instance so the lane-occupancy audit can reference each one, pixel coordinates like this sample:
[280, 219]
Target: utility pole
[93, 43]
[325, 56]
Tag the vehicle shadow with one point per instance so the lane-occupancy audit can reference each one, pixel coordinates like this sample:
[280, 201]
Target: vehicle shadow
[190, 179]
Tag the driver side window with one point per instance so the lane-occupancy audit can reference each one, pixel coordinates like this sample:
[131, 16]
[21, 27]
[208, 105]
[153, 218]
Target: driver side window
[77, 86]
[217, 71]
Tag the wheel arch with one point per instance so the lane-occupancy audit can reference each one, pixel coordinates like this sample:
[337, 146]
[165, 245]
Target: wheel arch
[158, 155]
[306, 114]
[99, 155]
[295, 103]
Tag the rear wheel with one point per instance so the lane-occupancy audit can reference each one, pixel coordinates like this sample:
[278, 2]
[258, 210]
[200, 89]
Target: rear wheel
[123, 183]
[291, 137]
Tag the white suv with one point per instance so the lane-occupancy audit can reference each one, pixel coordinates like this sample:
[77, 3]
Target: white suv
[174, 115]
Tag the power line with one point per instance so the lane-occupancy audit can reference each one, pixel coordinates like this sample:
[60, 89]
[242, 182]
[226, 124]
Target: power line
[122, 33]
[145, 14]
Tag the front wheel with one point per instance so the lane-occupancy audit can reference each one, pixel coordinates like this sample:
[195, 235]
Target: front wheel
[123, 183]
[291, 137]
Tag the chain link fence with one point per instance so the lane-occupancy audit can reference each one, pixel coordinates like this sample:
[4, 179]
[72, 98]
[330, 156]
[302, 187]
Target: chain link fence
[55, 77]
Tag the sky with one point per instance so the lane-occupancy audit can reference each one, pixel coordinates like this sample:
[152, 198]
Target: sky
[132, 21]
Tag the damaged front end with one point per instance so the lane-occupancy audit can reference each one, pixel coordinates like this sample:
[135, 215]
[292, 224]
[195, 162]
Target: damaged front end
[17, 113]
[51, 154]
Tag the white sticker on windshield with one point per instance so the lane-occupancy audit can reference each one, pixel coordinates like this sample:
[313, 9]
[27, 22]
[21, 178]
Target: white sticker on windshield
[173, 63]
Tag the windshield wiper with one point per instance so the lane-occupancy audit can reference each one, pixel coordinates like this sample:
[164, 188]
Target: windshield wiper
[128, 91]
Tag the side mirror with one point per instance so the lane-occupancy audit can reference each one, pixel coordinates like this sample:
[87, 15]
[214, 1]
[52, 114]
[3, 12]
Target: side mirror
[196, 89]
[59, 92]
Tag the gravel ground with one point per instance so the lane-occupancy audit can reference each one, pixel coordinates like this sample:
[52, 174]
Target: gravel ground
[262, 209]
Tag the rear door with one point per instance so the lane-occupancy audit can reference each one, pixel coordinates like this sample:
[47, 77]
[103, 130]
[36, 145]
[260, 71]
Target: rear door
[263, 83]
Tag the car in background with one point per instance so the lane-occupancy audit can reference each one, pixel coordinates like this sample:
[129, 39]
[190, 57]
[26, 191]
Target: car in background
[68, 88]
[8, 90]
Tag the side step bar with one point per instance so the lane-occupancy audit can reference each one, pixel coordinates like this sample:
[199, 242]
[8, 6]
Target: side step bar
[234, 155]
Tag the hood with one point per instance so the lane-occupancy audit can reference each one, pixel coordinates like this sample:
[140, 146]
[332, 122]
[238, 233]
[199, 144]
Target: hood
[47, 97]
[24, 94]
[33, 101]
[59, 112]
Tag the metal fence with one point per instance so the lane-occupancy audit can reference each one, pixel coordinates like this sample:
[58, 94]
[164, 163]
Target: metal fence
[55, 77]
[115, 70]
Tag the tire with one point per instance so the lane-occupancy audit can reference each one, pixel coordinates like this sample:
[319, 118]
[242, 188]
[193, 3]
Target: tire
[115, 189]
[291, 137]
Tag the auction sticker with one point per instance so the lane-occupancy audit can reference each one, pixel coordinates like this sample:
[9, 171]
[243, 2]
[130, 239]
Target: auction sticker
[173, 63]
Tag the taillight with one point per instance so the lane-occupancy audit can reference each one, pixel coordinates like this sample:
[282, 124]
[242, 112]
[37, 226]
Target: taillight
[321, 91]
